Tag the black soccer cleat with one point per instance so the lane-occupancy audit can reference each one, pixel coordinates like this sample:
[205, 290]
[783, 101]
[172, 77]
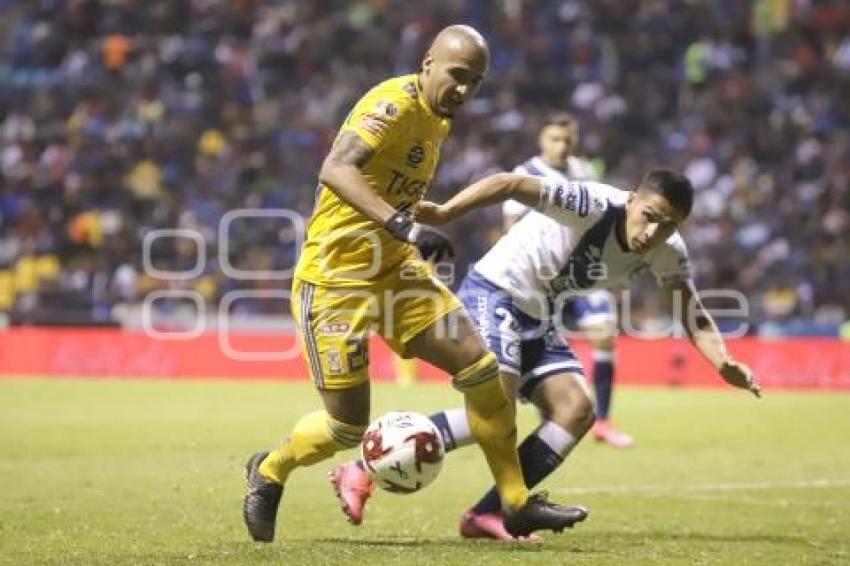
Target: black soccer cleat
[259, 510]
[539, 513]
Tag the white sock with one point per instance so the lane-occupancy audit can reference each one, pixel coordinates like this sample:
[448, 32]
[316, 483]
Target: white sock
[454, 428]
[560, 440]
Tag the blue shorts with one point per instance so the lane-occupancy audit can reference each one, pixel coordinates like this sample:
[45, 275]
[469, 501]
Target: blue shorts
[594, 309]
[524, 346]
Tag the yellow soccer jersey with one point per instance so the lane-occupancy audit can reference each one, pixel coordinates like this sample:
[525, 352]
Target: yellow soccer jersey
[344, 247]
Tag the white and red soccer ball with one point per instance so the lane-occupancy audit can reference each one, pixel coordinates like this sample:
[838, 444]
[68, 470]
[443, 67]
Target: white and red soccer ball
[403, 451]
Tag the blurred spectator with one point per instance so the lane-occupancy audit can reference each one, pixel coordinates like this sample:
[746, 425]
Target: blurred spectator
[121, 117]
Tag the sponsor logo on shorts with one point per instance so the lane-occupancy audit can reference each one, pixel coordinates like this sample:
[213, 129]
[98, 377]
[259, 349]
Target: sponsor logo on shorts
[334, 328]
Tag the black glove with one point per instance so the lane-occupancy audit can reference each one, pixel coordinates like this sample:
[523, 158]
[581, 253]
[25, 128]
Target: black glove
[432, 244]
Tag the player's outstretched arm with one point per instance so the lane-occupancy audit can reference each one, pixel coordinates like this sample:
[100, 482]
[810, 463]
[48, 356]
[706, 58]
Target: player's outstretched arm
[705, 336]
[489, 190]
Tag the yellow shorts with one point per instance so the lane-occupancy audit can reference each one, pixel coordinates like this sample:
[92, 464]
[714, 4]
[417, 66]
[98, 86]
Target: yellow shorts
[334, 323]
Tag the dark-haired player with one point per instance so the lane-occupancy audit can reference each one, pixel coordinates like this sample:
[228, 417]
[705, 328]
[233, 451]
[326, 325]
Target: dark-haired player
[595, 313]
[581, 236]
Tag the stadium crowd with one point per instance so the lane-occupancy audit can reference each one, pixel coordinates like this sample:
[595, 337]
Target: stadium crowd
[120, 117]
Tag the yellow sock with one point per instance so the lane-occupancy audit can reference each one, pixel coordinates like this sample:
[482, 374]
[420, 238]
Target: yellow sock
[492, 421]
[315, 437]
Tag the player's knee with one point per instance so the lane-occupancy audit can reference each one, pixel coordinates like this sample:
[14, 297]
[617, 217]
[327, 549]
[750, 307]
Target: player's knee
[481, 371]
[314, 430]
[585, 413]
[569, 407]
[572, 414]
[348, 435]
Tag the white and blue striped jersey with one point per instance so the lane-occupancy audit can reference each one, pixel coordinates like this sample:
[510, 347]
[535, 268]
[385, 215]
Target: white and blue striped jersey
[577, 169]
[570, 246]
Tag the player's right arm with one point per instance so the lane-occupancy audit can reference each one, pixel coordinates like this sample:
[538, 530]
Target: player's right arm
[341, 173]
[672, 270]
[706, 338]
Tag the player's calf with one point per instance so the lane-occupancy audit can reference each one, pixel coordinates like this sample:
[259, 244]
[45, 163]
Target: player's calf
[493, 424]
[315, 437]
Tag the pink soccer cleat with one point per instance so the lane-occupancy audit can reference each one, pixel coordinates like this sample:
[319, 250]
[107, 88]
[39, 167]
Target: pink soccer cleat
[490, 525]
[604, 431]
[353, 487]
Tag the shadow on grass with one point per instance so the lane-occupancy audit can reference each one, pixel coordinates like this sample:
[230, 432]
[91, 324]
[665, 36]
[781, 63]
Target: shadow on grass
[602, 546]
[454, 542]
[672, 536]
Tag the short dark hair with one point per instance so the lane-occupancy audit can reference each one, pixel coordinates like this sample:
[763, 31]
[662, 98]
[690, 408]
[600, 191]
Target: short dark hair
[564, 119]
[673, 186]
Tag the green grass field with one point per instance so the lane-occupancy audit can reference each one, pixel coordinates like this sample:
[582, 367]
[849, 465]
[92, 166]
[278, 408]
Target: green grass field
[143, 472]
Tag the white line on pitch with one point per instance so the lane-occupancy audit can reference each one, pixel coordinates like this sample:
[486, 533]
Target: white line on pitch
[733, 486]
[720, 497]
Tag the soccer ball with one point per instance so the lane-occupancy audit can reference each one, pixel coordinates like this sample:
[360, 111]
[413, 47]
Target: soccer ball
[403, 451]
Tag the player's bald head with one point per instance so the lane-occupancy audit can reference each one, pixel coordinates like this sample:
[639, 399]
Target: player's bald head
[462, 43]
[454, 68]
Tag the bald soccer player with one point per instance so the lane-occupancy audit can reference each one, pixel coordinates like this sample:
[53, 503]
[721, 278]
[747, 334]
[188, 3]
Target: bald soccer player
[359, 272]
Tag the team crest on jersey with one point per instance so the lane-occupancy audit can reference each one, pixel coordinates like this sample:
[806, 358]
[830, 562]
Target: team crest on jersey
[415, 155]
[386, 107]
[379, 118]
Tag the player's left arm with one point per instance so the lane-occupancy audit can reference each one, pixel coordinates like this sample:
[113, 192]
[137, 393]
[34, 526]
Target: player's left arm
[705, 336]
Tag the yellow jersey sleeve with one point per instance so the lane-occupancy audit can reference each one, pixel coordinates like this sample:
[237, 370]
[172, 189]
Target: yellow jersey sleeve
[381, 116]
